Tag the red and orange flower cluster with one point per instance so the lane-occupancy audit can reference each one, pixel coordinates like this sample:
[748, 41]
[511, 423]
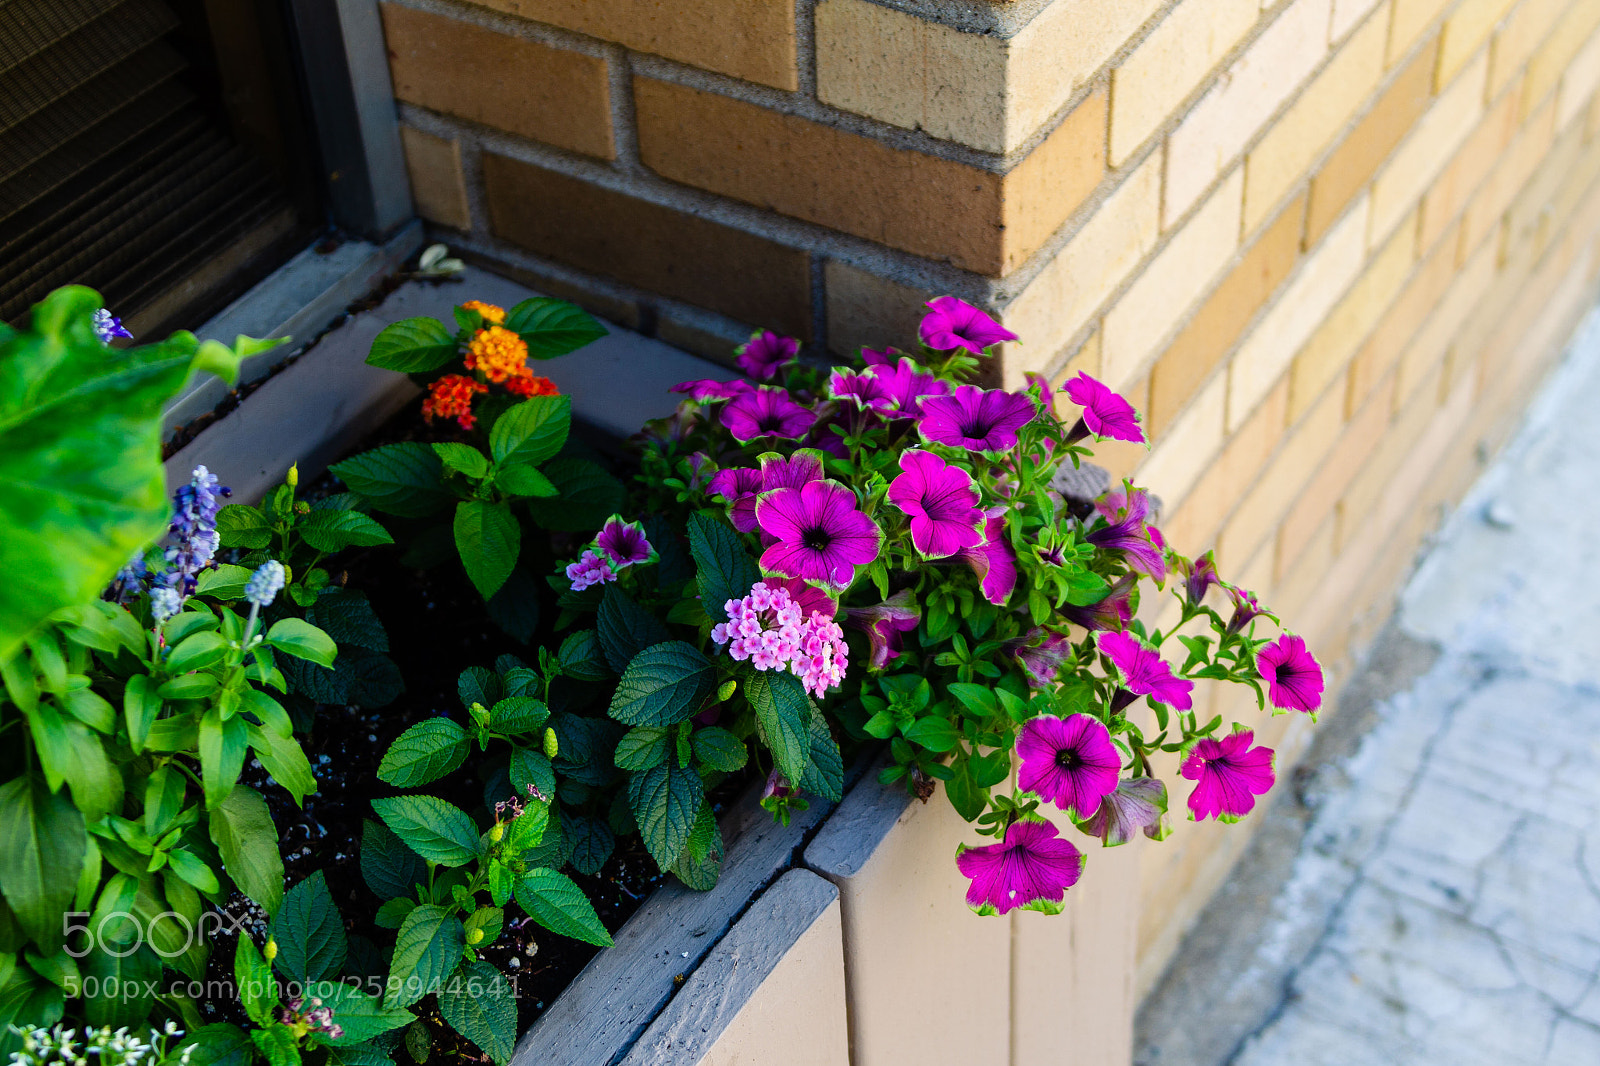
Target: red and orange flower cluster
[497, 356]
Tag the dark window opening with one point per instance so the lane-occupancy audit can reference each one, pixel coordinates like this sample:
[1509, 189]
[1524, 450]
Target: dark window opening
[151, 149]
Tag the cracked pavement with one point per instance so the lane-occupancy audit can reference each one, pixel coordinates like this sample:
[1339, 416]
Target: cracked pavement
[1427, 890]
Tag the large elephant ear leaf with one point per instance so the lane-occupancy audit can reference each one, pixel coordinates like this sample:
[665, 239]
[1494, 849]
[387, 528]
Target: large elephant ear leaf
[80, 454]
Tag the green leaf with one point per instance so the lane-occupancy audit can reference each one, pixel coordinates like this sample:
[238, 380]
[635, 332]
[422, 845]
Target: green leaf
[196, 652]
[301, 639]
[222, 747]
[80, 456]
[42, 847]
[725, 569]
[626, 629]
[404, 479]
[362, 1016]
[643, 748]
[824, 774]
[665, 800]
[518, 714]
[309, 932]
[784, 714]
[347, 616]
[700, 863]
[532, 431]
[432, 828]
[463, 458]
[413, 346]
[664, 684]
[426, 950]
[592, 843]
[478, 1004]
[582, 658]
[277, 1045]
[588, 494]
[717, 749]
[934, 733]
[524, 481]
[193, 871]
[515, 607]
[239, 526]
[425, 752]
[224, 584]
[977, 699]
[489, 539]
[556, 903]
[389, 868]
[479, 684]
[242, 829]
[331, 531]
[123, 986]
[552, 327]
[253, 981]
[529, 767]
[219, 1044]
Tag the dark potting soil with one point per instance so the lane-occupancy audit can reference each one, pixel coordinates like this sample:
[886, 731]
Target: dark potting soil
[437, 627]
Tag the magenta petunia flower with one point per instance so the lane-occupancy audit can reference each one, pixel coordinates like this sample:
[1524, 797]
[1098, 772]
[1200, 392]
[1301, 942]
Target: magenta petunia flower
[765, 352]
[1292, 674]
[708, 390]
[799, 469]
[1115, 611]
[821, 534]
[942, 502]
[952, 323]
[1139, 803]
[624, 543]
[905, 384]
[979, 420]
[1032, 869]
[1069, 761]
[1246, 608]
[1126, 511]
[590, 569]
[873, 357]
[1040, 653]
[1229, 774]
[766, 412]
[993, 561]
[739, 486]
[1144, 671]
[1105, 414]
[863, 389]
[884, 624]
[1198, 576]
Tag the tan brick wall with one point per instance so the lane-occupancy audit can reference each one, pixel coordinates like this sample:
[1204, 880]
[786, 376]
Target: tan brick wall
[1328, 245]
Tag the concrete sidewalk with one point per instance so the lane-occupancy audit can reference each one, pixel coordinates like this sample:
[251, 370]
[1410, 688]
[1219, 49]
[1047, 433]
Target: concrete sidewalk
[1429, 893]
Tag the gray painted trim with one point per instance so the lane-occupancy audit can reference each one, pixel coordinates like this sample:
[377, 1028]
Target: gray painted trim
[373, 93]
[714, 994]
[297, 300]
[861, 823]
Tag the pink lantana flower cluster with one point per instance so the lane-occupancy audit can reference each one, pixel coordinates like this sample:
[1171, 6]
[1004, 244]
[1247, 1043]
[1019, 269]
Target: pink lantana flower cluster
[768, 628]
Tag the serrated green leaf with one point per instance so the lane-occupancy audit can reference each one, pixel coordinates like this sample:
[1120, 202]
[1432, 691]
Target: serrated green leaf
[309, 932]
[463, 458]
[425, 752]
[489, 540]
[588, 495]
[784, 714]
[625, 628]
[665, 800]
[824, 775]
[240, 526]
[664, 684]
[581, 656]
[718, 749]
[555, 902]
[331, 531]
[700, 863]
[524, 480]
[529, 767]
[438, 831]
[642, 748]
[426, 950]
[389, 868]
[532, 431]
[413, 346]
[518, 714]
[552, 327]
[405, 479]
[362, 1016]
[478, 1004]
[724, 569]
[592, 843]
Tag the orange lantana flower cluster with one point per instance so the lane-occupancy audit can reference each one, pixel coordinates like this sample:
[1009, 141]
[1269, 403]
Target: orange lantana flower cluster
[498, 356]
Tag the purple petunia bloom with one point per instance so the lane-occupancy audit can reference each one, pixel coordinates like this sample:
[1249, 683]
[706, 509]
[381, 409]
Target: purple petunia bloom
[765, 352]
[979, 420]
[1032, 869]
[864, 390]
[709, 390]
[797, 471]
[905, 385]
[1069, 761]
[1198, 576]
[1144, 671]
[743, 486]
[993, 561]
[108, 327]
[941, 501]
[766, 412]
[873, 357]
[590, 569]
[1126, 511]
[1105, 414]
[884, 624]
[821, 534]
[1114, 611]
[1229, 774]
[624, 543]
[1041, 659]
[1137, 803]
[953, 323]
[1292, 674]
[1246, 608]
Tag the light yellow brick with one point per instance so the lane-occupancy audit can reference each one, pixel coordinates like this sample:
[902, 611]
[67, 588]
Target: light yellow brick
[1549, 62]
[1303, 304]
[1411, 22]
[1059, 301]
[1163, 293]
[1346, 13]
[1294, 141]
[1465, 29]
[1578, 83]
[1517, 37]
[1184, 451]
[1229, 114]
[1424, 153]
[1168, 64]
[1428, 347]
[990, 92]
[1331, 348]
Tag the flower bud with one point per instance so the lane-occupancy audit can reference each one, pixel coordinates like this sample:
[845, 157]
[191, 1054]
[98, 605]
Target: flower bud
[497, 832]
[292, 478]
[270, 952]
[475, 936]
[552, 747]
[727, 690]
